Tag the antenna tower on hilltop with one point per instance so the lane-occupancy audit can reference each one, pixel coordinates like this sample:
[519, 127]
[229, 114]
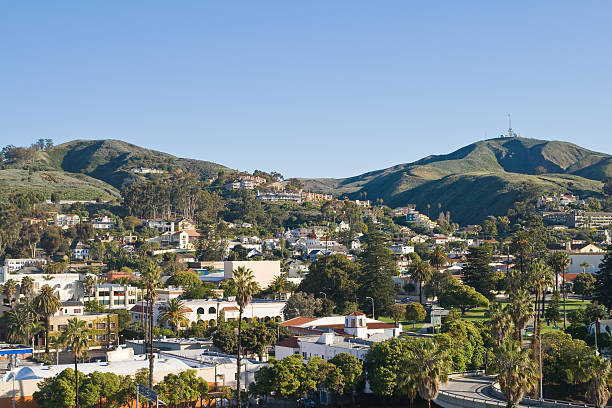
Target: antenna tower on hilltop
[510, 131]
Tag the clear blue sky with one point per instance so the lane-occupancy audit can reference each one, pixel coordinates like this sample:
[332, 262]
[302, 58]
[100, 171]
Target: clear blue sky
[307, 88]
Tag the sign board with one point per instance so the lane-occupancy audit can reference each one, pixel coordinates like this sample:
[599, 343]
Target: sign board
[149, 394]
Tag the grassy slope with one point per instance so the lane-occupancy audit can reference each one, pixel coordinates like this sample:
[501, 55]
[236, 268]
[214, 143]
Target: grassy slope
[479, 179]
[110, 160]
[71, 186]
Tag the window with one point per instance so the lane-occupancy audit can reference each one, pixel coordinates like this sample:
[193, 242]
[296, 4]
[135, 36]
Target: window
[212, 310]
[100, 326]
[132, 301]
[304, 354]
[200, 310]
[50, 327]
[90, 337]
[112, 325]
[100, 337]
[90, 325]
[61, 327]
[77, 311]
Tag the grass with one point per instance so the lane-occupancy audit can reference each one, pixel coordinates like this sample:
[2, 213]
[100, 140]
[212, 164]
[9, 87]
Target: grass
[406, 325]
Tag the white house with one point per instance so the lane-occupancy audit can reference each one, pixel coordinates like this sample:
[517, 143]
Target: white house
[80, 251]
[104, 223]
[400, 249]
[15, 264]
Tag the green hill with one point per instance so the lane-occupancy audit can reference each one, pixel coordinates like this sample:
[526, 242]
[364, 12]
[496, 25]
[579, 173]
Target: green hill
[70, 186]
[113, 161]
[480, 179]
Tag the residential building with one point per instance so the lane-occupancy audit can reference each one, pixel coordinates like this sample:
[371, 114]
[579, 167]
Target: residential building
[114, 296]
[15, 264]
[66, 286]
[103, 327]
[401, 249]
[80, 251]
[112, 275]
[245, 182]
[585, 219]
[275, 196]
[354, 324]
[66, 220]
[104, 223]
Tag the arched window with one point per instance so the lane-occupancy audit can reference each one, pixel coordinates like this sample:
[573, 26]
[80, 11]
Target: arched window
[200, 310]
[212, 310]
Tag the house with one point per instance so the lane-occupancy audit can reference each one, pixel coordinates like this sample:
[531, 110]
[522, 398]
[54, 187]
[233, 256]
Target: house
[80, 251]
[66, 286]
[15, 264]
[400, 249]
[279, 196]
[183, 239]
[66, 220]
[103, 327]
[114, 296]
[122, 274]
[186, 224]
[264, 272]
[355, 324]
[104, 223]
[245, 182]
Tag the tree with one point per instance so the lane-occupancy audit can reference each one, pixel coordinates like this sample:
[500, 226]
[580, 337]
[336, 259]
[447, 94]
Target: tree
[352, 370]
[584, 284]
[26, 287]
[302, 304]
[22, 323]
[378, 266]
[335, 276]
[585, 265]
[383, 363]
[245, 288]
[420, 272]
[10, 290]
[438, 283]
[151, 280]
[258, 338]
[175, 314]
[478, 273]
[397, 312]
[553, 313]
[500, 321]
[432, 368]
[599, 370]
[415, 312]
[93, 306]
[57, 391]
[463, 297]
[517, 371]
[89, 283]
[46, 304]
[603, 285]
[178, 389]
[559, 262]
[76, 336]
[521, 310]
[225, 339]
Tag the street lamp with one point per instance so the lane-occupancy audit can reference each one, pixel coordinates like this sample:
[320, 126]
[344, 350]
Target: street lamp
[372, 299]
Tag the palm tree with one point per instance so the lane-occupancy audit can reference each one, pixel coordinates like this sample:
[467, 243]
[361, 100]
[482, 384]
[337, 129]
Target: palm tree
[501, 323]
[27, 286]
[559, 262]
[89, 283]
[541, 279]
[438, 257]
[46, 304]
[521, 310]
[599, 372]
[246, 286]
[175, 314]
[151, 279]
[22, 324]
[76, 336]
[432, 369]
[279, 284]
[407, 378]
[583, 265]
[420, 272]
[517, 371]
[10, 290]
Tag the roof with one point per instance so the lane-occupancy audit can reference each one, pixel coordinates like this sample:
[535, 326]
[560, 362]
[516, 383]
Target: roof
[356, 314]
[231, 308]
[291, 342]
[297, 321]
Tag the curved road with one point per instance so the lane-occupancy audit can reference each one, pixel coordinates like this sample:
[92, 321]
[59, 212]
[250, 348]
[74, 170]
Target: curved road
[472, 390]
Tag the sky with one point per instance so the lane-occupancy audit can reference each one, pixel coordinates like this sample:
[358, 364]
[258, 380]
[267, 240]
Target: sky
[312, 88]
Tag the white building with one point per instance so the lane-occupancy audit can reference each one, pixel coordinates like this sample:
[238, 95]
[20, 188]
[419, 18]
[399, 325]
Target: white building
[114, 296]
[66, 220]
[104, 223]
[65, 285]
[80, 251]
[355, 324]
[209, 310]
[400, 249]
[263, 271]
[15, 264]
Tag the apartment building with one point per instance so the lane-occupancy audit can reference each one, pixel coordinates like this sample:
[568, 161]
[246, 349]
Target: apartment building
[114, 296]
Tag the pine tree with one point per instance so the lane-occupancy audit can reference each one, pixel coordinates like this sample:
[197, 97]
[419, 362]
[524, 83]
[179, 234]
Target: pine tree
[603, 285]
[478, 273]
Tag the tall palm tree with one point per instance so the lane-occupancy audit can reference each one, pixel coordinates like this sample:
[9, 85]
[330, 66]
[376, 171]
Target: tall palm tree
[10, 290]
[27, 286]
[541, 279]
[151, 280]
[76, 336]
[22, 324]
[46, 304]
[246, 286]
[279, 284]
[407, 378]
[599, 372]
[175, 314]
[432, 369]
[517, 371]
[89, 283]
[521, 310]
[438, 257]
[559, 262]
[421, 272]
[583, 265]
[500, 320]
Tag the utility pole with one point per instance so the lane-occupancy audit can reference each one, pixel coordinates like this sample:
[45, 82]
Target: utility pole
[372, 299]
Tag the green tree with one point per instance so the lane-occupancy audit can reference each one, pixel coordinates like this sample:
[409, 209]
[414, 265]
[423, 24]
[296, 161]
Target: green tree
[57, 391]
[478, 273]
[521, 310]
[26, 287]
[225, 339]
[433, 368]
[258, 338]
[603, 284]
[437, 258]
[398, 311]
[559, 262]
[584, 284]
[46, 304]
[93, 306]
[382, 365]
[599, 373]
[175, 314]
[184, 279]
[517, 371]
[89, 284]
[10, 290]
[463, 297]
[438, 283]
[415, 312]
[378, 267]
[500, 321]
[335, 276]
[553, 313]
[245, 288]
[76, 336]
[302, 304]
[151, 280]
[352, 370]
[420, 271]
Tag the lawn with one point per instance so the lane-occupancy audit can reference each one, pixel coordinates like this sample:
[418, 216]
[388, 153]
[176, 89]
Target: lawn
[406, 325]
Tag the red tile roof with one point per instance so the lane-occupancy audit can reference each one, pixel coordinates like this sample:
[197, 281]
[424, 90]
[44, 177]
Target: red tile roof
[231, 308]
[291, 342]
[356, 314]
[297, 321]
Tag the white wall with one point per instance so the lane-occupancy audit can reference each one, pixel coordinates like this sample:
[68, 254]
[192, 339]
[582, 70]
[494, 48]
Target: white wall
[263, 271]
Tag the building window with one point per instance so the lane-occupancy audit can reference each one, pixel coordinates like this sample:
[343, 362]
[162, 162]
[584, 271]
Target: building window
[132, 301]
[212, 310]
[112, 325]
[100, 326]
[100, 337]
[62, 327]
[200, 310]
[77, 311]
[304, 354]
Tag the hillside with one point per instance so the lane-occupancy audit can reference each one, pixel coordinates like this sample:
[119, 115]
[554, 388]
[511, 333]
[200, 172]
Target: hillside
[112, 160]
[480, 179]
[70, 186]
